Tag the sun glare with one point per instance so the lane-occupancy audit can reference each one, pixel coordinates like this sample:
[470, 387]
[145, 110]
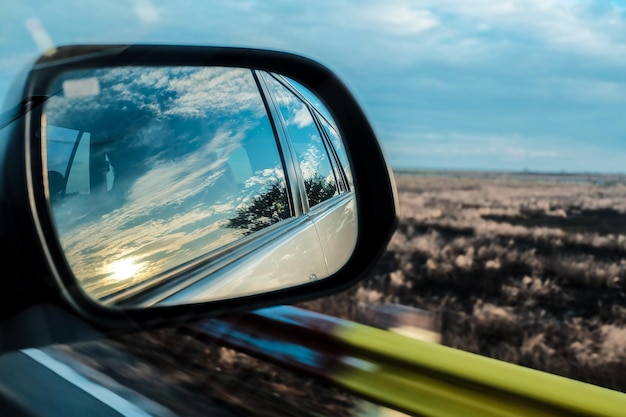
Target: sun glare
[123, 269]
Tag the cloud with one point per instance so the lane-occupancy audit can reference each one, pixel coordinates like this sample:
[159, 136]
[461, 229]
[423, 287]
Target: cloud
[521, 154]
[503, 152]
[400, 19]
[214, 89]
[146, 12]
[586, 89]
[513, 147]
[581, 27]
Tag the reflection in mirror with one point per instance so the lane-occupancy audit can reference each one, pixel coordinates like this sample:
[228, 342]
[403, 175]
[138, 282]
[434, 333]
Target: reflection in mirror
[161, 179]
[330, 128]
[312, 156]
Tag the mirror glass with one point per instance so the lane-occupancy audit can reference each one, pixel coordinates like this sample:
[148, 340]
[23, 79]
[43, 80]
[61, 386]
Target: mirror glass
[175, 185]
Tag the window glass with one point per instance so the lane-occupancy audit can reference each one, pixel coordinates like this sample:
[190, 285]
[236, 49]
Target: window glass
[67, 142]
[329, 126]
[78, 168]
[311, 153]
[335, 139]
[312, 98]
[185, 156]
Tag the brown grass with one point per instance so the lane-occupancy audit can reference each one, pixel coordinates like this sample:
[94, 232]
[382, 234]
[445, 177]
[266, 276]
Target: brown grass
[527, 270]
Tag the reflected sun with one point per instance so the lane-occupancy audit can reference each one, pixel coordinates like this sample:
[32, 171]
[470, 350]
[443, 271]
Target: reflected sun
[123, 269]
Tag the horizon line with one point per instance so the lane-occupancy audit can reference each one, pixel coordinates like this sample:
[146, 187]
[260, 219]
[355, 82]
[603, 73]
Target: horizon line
[499, 171]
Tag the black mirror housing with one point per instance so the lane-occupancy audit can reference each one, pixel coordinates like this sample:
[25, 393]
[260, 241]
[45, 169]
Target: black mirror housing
[28, 229]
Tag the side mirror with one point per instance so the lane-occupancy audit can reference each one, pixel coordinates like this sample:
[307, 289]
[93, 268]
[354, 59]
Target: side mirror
[152, 183]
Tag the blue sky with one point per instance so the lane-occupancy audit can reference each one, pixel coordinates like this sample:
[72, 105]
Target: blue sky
[473, 84]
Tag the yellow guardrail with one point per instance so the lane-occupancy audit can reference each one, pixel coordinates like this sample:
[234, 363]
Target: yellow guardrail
[409, 375]
[434, 380]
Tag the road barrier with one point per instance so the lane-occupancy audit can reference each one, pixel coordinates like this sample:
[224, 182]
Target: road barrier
[409, 375]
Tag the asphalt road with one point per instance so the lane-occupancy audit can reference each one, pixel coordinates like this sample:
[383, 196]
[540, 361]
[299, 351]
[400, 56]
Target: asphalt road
[40, 382]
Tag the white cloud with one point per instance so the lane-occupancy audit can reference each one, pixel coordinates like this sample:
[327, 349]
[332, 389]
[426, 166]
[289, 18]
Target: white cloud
[399, 18]
[574, 26]
[146, 12]
[586, 90]
[504, 152]
[508, 147]
[212, 88]
[518, 153]
[477, 32]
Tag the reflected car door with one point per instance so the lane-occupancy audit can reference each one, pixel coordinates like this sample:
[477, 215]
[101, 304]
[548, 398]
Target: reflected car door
[322, 163]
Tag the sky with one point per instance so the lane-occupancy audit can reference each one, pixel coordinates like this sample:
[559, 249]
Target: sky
[502, 85]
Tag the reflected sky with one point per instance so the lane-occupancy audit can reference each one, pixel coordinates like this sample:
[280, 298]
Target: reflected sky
[166, 157]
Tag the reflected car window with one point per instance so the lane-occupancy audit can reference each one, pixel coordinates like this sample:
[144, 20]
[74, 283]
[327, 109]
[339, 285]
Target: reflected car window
[185, 157]
[330, 127]
[311, 153]
[335, 139]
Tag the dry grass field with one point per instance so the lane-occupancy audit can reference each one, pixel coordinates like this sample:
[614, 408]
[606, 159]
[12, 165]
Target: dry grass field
[529, 269]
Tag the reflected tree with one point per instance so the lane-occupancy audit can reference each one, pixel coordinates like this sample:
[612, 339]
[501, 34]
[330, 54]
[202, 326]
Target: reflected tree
[271, 206]
[319, 189]
[266, 209]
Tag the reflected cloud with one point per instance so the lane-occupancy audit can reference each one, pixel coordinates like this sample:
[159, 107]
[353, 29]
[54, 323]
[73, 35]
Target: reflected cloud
[311, 160]
[301, 118]
[157, 92]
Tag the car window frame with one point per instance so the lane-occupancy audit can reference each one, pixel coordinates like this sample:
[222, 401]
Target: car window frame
[318, 117]
[336, 168]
